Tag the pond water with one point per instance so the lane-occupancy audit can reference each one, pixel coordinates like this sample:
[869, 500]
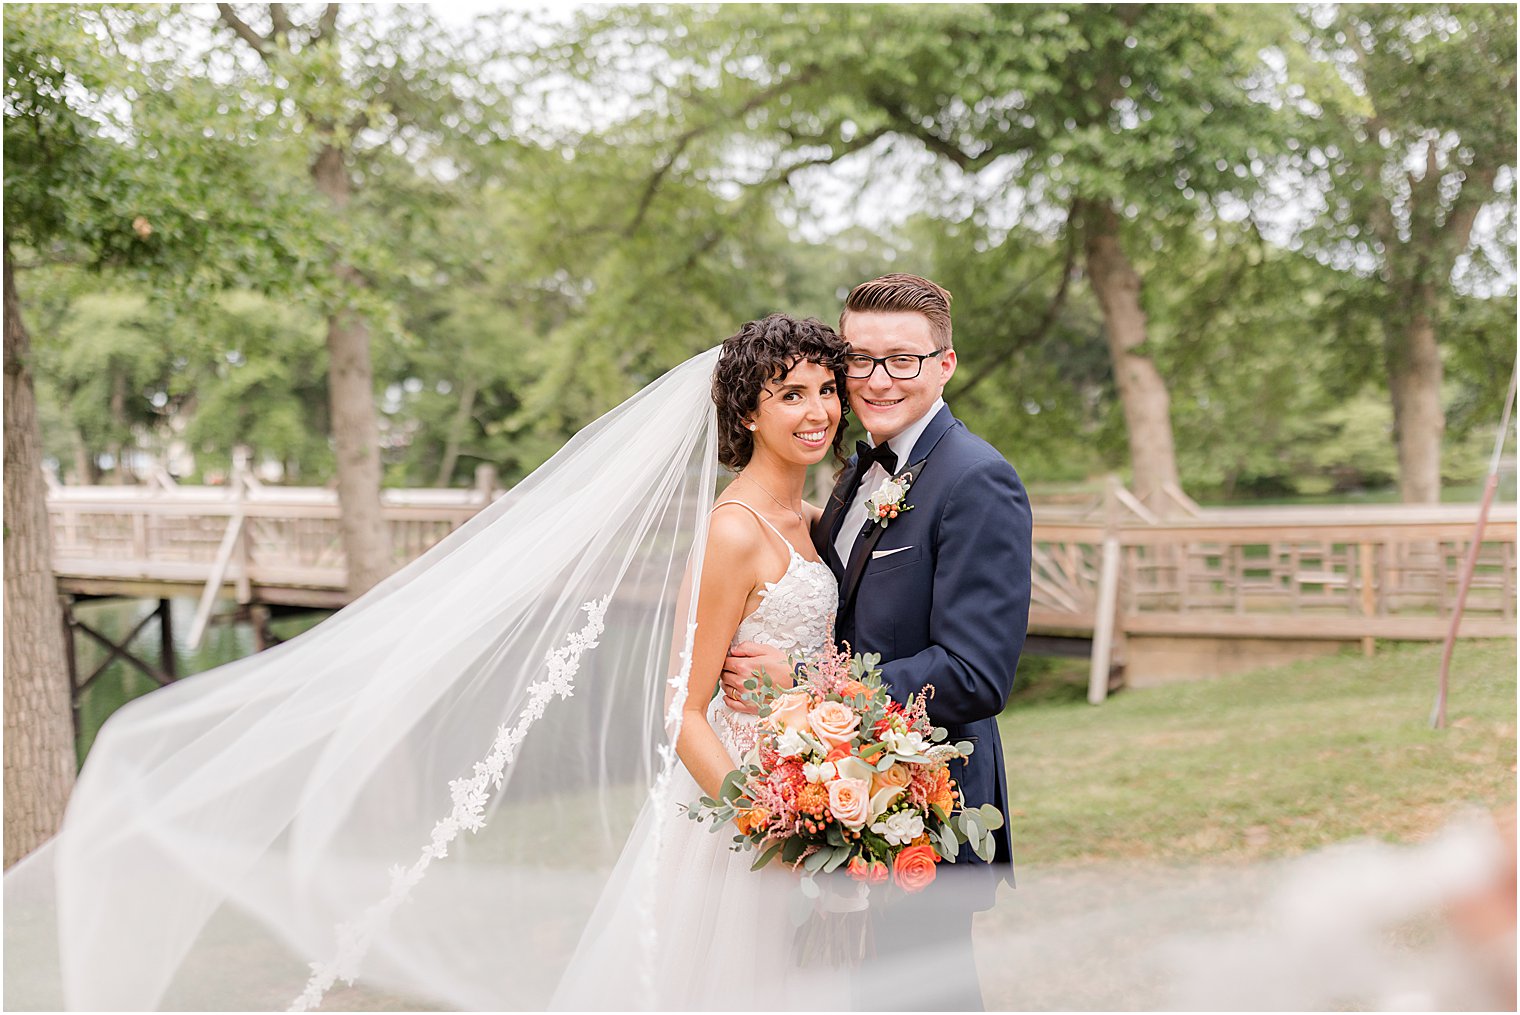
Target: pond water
[224, 642]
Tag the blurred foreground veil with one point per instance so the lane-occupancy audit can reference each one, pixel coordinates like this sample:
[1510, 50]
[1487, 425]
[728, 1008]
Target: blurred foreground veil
[426, 793]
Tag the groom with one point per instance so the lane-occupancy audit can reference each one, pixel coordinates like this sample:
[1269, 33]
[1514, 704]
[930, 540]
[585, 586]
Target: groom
[941, 591]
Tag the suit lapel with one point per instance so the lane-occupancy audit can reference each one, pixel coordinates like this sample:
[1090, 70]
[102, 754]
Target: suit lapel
[827, 529]
[941, 424]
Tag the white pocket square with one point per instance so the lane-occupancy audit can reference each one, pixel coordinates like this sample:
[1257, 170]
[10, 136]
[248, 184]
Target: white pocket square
[877, 554]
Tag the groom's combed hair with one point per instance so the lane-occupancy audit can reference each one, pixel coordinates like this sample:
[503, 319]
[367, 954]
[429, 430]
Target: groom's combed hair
[759, 353]
[903, 294]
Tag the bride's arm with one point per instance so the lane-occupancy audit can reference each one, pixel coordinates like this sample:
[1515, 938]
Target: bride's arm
[728, 578]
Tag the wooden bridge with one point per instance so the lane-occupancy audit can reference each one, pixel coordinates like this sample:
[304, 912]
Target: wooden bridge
[1148, 599]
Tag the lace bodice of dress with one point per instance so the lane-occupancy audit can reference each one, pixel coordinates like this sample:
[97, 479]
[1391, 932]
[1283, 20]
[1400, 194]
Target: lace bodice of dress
[795, 615]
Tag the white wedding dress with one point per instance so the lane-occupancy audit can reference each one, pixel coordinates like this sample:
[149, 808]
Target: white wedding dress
[708, 932]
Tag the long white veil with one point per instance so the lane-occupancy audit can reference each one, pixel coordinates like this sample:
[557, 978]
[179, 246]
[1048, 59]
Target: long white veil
[424, 793]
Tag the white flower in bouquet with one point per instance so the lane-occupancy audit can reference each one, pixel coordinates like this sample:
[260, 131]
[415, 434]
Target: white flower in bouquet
[846, 768]
[790, 744]
[905, 744]
[900, 827]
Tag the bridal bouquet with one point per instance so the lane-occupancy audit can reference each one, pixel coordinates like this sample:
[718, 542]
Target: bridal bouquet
[844, 778]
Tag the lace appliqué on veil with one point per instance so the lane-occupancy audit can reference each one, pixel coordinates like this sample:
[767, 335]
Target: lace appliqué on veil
[470, 796]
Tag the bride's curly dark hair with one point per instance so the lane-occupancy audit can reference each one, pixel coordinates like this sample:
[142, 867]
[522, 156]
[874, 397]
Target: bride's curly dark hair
[764, 351]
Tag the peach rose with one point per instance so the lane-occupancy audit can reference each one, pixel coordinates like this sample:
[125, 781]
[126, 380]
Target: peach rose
[834, 722]
[790, 711]
[896, 777]
[913, 869]
[849, 801]
[751, 820]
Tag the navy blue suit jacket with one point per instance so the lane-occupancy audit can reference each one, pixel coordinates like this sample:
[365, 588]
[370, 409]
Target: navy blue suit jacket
[950, 606]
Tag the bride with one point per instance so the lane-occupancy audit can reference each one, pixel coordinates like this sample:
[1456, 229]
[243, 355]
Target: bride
[467, 788]
[777, 387]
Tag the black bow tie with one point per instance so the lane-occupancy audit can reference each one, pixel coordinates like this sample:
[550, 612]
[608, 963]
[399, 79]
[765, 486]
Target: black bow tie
[881, 454]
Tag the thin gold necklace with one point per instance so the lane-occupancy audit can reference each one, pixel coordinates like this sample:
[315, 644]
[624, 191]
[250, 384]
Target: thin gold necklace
[772, 496]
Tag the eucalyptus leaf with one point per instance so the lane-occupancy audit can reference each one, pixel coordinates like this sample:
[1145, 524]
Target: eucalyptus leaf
[733, 786]
[766, 856]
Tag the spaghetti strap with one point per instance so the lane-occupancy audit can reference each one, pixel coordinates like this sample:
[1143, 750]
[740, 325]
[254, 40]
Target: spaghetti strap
[765, 521]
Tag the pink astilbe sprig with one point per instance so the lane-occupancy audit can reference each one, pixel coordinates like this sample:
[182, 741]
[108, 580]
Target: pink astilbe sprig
[917, 711]
[920, 786]
[828, 671]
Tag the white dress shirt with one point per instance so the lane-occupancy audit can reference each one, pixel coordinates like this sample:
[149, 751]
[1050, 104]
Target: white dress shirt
[902, 447]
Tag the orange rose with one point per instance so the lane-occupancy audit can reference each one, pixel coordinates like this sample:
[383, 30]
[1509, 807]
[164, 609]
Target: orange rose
[913, 869]
[850, 688]
[842, 751]
[752, 820]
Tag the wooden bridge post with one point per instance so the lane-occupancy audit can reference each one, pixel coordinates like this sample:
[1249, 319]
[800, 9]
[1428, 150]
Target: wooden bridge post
[486, 482]
[67, 609]
[166, 659]
[1107, 617]
[1369, 594]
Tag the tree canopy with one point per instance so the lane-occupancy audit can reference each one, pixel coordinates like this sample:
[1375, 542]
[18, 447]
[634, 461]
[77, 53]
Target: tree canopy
[1187, 226]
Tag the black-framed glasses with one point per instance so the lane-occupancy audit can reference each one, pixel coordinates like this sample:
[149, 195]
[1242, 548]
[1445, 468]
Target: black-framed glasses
[902, 366]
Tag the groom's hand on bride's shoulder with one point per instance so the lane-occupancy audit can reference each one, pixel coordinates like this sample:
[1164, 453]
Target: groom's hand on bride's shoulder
[748, 660]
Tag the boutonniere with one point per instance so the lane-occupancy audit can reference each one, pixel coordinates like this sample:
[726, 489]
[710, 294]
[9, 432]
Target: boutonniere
[889, 500]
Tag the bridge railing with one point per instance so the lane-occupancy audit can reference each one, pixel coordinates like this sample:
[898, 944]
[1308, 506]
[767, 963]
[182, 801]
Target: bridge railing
[1382, 577]
[276, 537]
[1332, 572]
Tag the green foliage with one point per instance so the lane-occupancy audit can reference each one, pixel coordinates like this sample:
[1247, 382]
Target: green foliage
[547, 216]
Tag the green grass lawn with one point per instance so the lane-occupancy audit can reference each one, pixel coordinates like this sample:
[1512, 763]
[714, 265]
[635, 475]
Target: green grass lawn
[1263, 764]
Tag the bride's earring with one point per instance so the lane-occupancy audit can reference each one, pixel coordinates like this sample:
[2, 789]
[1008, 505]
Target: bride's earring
[750, 425]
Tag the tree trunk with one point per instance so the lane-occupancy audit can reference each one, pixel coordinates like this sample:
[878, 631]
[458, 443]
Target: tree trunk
[351, 396]
[1414, 382]
[39, 724]
[85, 469]
[119, 421]
[1142, 391]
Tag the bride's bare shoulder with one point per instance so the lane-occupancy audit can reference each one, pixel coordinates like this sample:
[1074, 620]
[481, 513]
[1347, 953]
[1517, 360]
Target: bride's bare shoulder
[733, 530]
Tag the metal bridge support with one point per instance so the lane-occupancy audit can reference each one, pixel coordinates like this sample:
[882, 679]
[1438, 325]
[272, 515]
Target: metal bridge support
[165, 673]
